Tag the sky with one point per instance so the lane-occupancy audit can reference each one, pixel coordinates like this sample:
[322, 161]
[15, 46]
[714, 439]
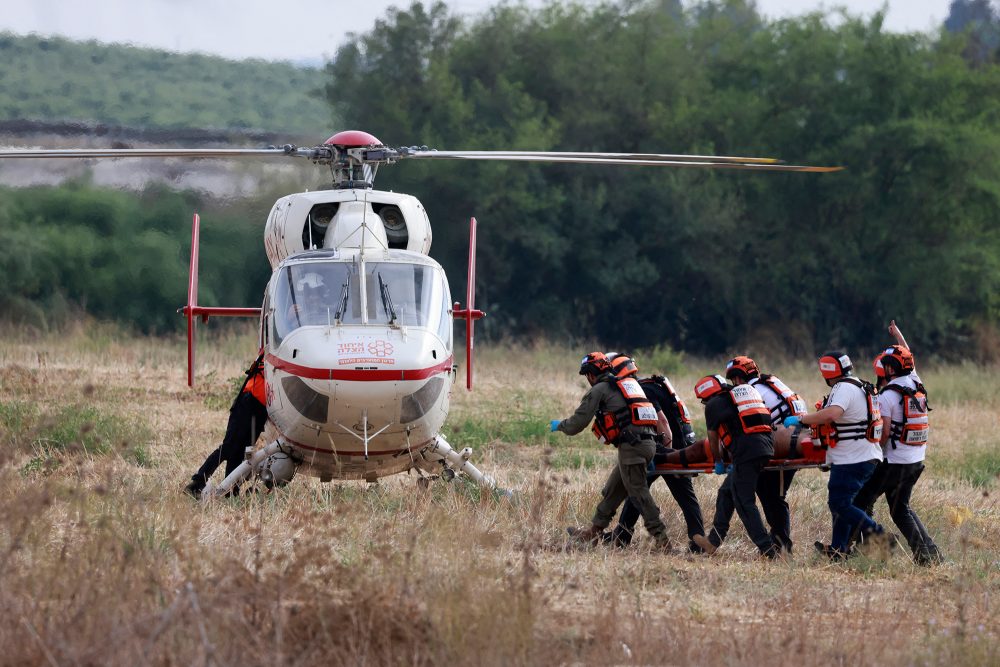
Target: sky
[311, 30]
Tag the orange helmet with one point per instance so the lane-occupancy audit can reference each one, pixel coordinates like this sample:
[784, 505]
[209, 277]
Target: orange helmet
[622, 365]
[709, 386]
[744, 366]
[833, 365]
[895, 360]
[595, 363]
[878, 367]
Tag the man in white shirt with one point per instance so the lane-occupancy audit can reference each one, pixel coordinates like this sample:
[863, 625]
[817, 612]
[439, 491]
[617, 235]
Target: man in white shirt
[903, 403]
[850, 424]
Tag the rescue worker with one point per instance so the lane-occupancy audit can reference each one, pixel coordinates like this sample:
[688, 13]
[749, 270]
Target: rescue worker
[905, 427]
[674, 429]
[772, 485]
[739, 424]
[850, 426]
[247, 417]
[623, 417]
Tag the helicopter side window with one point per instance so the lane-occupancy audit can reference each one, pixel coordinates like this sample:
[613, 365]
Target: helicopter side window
[313, 294]
[446, 328]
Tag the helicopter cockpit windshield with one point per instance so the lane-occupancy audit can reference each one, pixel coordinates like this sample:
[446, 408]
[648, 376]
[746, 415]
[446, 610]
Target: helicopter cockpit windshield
[329, 293]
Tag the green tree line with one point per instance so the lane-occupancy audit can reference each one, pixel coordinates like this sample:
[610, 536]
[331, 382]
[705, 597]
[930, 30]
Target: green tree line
[50, 78]
[122, 256]
[704, 260]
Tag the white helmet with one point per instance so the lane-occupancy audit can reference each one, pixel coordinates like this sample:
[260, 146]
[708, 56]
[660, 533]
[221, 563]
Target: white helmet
[309, 281]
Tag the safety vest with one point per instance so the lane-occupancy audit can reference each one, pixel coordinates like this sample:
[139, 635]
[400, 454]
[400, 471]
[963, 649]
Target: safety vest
[791, 404]
[753, 415]
[255, 383]
[609, 426]
[914, 428]
[676, 412]
[869, 429]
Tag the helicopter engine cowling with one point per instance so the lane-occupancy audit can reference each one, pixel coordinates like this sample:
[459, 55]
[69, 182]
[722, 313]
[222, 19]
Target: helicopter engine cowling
[345, 219]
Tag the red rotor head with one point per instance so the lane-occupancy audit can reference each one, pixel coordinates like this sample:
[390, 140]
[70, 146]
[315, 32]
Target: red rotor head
[352, 139]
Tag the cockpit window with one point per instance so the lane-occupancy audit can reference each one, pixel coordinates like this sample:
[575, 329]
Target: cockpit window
[396, 294]
[406, 294]
[313, 294]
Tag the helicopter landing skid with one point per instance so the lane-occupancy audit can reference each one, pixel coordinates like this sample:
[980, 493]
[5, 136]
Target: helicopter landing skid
[274, 464]
[439, 451]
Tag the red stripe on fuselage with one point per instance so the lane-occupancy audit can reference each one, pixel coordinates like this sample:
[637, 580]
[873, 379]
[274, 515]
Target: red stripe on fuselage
[355, 375]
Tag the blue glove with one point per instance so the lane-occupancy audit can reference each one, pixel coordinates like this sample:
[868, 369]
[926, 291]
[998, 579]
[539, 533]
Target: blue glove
[792, 421]
[554, 425]
[720, 468]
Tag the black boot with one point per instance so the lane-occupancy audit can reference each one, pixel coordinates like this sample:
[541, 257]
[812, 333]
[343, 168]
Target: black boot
[195, 487]
[619, 537]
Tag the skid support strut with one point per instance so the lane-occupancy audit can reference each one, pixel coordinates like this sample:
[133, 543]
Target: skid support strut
[243, 471]
[441, 450]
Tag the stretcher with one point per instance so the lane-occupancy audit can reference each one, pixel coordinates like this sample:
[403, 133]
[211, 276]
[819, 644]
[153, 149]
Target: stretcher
[794, 449]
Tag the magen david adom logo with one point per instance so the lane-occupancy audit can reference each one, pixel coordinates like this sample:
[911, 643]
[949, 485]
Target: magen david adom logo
[380, 348]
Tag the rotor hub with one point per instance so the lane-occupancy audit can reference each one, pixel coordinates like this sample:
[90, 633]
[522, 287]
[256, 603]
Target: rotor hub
[353, 139]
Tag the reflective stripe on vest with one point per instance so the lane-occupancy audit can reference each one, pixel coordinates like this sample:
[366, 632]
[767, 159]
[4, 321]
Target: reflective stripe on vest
[915, 427]
[608, 427]
[791, 403]
[754, 417]
[640, 411]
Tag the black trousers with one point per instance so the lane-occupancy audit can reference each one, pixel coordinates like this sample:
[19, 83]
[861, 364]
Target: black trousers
[247, 418]
[738, 493]
[896, 482]
[772, 487]
[682, 489]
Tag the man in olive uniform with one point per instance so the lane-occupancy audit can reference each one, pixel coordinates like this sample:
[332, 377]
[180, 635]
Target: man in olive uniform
[635, 445]
[678, 434]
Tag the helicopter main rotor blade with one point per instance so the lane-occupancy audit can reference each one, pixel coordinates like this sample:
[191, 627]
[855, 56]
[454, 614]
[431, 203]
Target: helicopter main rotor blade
[143, 152]
[555, 157]
[563, 155]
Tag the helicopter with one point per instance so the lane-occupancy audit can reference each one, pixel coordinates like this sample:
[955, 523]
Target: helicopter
[356, 322]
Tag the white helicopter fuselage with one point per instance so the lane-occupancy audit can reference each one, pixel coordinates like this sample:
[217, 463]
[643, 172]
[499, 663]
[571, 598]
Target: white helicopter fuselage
[356, 333]
[358, 400]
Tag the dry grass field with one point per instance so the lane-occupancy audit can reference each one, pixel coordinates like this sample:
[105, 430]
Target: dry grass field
[105, 561]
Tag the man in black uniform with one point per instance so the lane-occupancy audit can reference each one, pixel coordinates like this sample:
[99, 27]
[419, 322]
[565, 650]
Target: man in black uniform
[661, 394]
[247, 418]
[625, 419]
[738, 420]
[772, 485]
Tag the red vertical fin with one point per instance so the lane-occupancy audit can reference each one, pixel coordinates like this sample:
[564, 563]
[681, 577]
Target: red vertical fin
[470, 303]
[192, 299]
[469, 314]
